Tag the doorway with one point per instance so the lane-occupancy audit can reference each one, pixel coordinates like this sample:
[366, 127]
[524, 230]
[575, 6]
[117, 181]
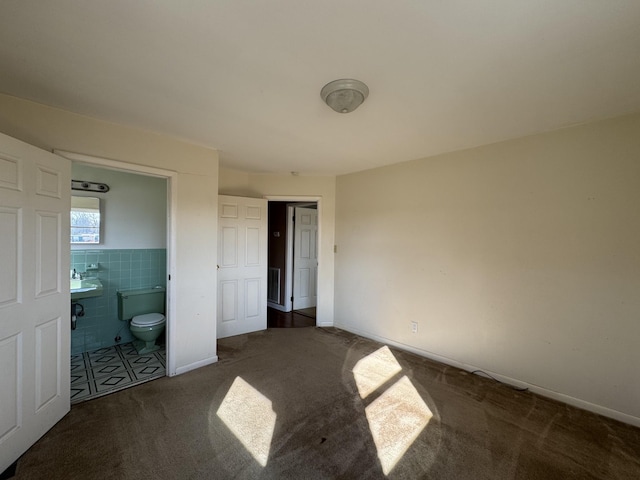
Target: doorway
[293, 262]
[145, 262]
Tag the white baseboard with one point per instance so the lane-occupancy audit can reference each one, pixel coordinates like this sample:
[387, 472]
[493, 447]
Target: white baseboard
[561, 397]
[193, 366]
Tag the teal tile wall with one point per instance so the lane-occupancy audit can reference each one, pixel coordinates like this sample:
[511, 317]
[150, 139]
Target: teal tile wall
[117, 270]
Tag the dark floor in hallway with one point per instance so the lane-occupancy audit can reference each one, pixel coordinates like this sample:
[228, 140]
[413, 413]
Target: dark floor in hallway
[278, 319]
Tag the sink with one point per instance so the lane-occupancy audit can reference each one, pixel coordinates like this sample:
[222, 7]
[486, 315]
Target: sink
[85, 288]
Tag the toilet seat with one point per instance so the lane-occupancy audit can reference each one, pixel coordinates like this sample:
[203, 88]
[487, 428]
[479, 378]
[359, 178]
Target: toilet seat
[147, 320]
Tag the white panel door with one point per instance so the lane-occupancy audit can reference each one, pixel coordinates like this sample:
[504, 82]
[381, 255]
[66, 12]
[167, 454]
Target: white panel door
[35, 197]
[242, 265]
[305, 258]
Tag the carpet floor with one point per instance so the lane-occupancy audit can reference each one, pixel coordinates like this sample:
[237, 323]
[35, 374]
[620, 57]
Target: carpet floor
[311, 403]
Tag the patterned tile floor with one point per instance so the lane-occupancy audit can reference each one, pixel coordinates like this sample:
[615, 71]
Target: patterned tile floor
[108, 370]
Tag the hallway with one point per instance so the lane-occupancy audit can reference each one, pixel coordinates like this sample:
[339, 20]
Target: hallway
[295, 319]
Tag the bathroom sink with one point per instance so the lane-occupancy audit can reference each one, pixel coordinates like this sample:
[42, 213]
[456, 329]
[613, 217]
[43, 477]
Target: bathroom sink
[85, 288]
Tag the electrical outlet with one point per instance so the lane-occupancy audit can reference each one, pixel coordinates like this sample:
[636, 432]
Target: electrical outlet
[414, 327]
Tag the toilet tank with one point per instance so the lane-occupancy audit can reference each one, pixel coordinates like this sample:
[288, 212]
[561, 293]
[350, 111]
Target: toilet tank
[138, 302]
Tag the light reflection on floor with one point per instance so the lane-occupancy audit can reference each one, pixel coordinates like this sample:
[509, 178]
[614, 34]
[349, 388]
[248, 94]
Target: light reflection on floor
[394, 409]
[371, 372]
[250, 416]
[398, 415]
[396, 418]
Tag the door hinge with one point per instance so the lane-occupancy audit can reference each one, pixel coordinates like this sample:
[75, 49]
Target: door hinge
[169, 276]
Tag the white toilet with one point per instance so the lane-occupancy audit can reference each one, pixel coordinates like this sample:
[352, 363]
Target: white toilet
[143, 307]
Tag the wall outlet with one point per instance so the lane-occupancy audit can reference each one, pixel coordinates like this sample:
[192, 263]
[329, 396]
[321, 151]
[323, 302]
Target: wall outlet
[414, 327]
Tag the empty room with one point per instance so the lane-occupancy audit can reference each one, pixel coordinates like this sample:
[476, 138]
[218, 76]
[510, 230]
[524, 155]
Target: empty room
[337, 239]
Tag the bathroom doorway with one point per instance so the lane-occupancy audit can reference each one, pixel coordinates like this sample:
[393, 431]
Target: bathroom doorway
[134, 253]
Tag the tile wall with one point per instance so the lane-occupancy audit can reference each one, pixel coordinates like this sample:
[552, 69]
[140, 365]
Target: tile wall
[117, 270]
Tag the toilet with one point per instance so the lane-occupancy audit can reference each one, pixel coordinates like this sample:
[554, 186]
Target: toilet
[143, 307]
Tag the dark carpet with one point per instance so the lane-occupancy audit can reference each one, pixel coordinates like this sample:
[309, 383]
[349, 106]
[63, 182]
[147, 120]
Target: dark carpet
[311, 403]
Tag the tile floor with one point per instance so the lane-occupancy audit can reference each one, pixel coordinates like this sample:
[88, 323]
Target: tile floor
[108, 370]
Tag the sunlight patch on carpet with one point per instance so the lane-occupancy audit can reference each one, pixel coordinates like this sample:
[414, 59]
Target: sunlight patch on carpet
[396, 418]
[371, 372]
[250, 416]
[398, 415]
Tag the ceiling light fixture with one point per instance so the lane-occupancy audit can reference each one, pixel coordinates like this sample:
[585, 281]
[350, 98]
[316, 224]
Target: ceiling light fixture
[344, 95]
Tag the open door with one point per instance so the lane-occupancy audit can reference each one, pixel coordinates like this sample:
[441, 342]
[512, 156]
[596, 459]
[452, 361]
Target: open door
[35, 196]
[305, 258]
[242, 265]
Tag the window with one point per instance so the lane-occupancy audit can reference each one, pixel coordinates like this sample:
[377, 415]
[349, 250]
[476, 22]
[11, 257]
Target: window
[85, 220]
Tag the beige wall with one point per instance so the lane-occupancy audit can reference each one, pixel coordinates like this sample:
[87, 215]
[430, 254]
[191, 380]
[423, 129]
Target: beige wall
[193, 277]
[520, 258]
[232, 182]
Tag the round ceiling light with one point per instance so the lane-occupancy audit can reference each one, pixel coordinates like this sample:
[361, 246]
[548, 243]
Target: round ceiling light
[344, 95]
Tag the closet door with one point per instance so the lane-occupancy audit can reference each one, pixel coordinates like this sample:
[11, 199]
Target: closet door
[35, 196]
[242, 265]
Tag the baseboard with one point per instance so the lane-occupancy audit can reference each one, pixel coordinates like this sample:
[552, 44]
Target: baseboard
[193, 366]
[561, 397]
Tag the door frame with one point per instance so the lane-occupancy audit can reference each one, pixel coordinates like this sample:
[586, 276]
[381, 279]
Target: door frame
[288, 305]
[172, 199]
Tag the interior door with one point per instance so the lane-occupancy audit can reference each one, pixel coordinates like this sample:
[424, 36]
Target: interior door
[305, 258]
[35, 197]
[242, 265]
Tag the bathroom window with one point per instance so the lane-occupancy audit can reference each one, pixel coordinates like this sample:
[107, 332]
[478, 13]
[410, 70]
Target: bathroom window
[85, 220]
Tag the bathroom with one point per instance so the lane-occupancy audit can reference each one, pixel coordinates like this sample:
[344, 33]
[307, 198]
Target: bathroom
[130, 254]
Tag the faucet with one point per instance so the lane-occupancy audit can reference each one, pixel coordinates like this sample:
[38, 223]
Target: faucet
[78, 275]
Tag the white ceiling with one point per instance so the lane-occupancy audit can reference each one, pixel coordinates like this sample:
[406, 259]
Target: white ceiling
[244, 76]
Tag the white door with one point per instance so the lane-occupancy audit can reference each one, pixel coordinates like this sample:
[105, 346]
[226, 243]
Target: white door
[35, 197]
[242, 265]
[305, 258]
